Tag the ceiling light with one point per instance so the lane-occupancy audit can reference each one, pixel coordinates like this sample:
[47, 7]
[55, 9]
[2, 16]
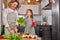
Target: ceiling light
[37, 0]
[29, 1]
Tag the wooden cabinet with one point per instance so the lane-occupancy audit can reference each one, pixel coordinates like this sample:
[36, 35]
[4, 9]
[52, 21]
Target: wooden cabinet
[5, 3]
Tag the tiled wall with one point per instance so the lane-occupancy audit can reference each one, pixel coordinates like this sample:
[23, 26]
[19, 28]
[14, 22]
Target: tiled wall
[34, 8]
[48, 14]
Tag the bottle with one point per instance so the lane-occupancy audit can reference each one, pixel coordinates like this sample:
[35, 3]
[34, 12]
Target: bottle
[2, 30]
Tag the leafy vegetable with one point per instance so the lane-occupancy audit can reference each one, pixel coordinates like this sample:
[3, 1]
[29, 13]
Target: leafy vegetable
[21, 21]
[19, 37]
[45, 19]
[13, 37]
[26, 33]
[7, 36]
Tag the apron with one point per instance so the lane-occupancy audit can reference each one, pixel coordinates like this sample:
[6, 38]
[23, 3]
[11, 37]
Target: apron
[11, 18]
[28, 27]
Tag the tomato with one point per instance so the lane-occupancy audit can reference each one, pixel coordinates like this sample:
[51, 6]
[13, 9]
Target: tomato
[20, 34]
[30, 37]
[1, 37]
[34, 37]
[26, 37]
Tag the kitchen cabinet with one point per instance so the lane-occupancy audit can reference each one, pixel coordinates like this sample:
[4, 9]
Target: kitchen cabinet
[5, 3]
[47, 32]
[44, 3]
[38, 30]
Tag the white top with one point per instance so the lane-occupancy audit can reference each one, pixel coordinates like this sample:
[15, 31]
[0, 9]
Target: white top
[5, 13]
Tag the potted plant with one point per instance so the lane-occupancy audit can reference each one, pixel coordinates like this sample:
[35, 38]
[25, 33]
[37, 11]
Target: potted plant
[45, 20]
[21, 22]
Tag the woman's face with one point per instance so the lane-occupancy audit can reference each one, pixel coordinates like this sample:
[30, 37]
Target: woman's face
[29, 13]
[14, 5]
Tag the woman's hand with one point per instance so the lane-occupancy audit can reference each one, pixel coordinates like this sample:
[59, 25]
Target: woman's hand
[15, 29]
[12, 32]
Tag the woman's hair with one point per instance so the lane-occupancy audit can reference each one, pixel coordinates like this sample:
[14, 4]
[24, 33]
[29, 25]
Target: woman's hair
[31, 13]
[9, 4]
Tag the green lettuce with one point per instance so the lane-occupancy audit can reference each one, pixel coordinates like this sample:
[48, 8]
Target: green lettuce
[21, 21]
[13, 37]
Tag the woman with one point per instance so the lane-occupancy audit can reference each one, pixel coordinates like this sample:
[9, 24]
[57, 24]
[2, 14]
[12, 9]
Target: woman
[28, 23]
[10, 15]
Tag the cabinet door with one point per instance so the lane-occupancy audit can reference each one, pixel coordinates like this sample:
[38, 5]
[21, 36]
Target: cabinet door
[5, 3]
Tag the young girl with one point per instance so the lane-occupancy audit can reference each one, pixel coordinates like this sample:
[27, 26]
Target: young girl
[28, 23]
[10, 15]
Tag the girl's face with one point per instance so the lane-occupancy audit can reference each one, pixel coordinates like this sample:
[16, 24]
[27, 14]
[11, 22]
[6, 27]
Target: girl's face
[14, 5]
[29, 13]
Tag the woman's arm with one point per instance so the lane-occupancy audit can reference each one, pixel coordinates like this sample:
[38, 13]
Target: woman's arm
[11, 31]
[5, 22]
[15, 29]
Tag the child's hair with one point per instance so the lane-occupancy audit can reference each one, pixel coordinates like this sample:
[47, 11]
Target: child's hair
[9, 4]
[31, 13]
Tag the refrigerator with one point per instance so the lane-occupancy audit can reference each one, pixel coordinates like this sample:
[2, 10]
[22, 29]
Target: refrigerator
[55, 21]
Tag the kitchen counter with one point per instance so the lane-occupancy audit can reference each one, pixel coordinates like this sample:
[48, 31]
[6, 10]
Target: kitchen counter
[25, 37]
